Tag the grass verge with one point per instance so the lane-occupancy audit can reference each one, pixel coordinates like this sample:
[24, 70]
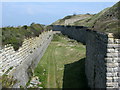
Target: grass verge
[51, 68]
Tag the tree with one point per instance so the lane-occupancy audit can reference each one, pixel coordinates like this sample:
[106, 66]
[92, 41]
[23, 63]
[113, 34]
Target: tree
[25, 26]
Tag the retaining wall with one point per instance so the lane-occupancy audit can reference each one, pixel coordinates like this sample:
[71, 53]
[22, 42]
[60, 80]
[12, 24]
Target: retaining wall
[102, 65]
[20, 64]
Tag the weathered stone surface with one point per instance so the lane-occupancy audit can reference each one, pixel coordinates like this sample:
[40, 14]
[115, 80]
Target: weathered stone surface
[110, 40]
[110, 50]
[102, 55]
[110, 35]
[109, 84]
[113, 45]
[102, 65]
[112, 55]
[22, 61]
[117, 41]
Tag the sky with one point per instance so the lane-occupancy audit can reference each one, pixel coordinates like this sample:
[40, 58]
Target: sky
[59, 0]
[24, 13]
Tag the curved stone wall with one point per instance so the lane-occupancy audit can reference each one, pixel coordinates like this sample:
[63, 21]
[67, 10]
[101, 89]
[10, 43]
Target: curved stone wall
[102, 65]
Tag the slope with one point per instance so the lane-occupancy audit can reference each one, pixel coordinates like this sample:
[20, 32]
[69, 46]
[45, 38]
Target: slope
[107, 20]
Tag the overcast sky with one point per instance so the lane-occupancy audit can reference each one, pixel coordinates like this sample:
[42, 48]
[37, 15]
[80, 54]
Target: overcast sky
[24, 13]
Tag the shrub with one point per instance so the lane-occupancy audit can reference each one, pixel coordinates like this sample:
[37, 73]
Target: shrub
[16, 35]
[7, 81]
[117, 34]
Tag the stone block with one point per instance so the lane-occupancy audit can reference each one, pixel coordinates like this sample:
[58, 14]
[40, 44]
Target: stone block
[109, 75]
[110, 40]
[113, 45]
[117, 51]
[111, 50]
[109, 84]
[116, 79]
[112, 65]
[117, 41]
[109, 60]
[109, 78]
[116, 69]
[110, 35]
[112, 55]
[115, 85]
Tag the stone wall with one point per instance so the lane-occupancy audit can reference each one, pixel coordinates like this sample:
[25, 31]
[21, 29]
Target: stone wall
[95, 66]
[78, 33]
[102, 65]
[21, 63]
[113, 62]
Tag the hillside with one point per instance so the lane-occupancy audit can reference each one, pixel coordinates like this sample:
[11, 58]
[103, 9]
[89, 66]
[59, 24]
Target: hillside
[71, 19]
[16, 35]
[105, 21]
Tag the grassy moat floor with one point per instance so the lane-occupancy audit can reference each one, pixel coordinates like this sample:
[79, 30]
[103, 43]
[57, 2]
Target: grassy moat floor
[62, 65]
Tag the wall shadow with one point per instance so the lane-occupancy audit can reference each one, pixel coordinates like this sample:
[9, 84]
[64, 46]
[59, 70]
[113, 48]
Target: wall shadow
[74, 75]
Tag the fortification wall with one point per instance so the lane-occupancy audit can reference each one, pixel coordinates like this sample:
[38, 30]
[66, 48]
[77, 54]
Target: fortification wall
[113, 62]
[20, 64]
[77, 33]
[102, 65]
[95, 66]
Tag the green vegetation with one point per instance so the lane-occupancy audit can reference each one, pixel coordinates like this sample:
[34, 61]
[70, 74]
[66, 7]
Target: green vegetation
[28, 83]
[68, 17]
[106, 21]
[52, 69]
[16, 35]
[80, 17]
[7, 81]
[9, 70]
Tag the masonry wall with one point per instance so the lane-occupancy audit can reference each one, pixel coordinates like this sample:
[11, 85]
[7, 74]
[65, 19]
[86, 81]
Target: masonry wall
[20, 64]
[102, 65]
[78, 33]
[113, 62]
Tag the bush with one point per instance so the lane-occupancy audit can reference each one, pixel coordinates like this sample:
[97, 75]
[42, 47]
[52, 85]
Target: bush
[16, 35]
[117, 34]
[7, 81]
[25, 26]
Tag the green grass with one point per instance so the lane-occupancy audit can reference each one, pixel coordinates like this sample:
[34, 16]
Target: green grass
[52, 67]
